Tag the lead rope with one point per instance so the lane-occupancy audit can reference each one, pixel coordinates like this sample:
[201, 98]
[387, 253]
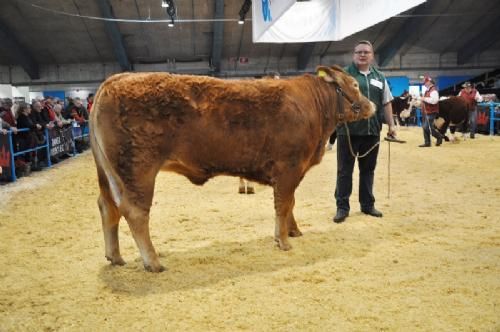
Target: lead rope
[340, 107]
[350, 145]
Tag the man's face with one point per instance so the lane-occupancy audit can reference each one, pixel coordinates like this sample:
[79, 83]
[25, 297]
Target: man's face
[363, 55]
[37, 106]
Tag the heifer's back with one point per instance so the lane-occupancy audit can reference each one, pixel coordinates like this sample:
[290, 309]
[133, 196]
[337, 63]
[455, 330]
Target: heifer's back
[201, 127]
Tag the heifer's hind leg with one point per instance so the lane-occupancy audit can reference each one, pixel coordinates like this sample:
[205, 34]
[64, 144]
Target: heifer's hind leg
[135, 208]
[110, 219]
[110, 216]
[138, 221]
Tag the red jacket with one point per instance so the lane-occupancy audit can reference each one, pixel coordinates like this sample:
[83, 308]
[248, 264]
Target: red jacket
[470, 97]
[8, 117]
[430, 108]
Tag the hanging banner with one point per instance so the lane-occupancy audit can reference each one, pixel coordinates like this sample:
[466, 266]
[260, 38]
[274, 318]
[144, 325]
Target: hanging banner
[265, 13]
[292, 21]
[357, 15]
[5, 155]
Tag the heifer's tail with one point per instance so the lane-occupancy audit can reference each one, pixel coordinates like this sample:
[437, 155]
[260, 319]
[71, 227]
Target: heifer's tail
[109, 180]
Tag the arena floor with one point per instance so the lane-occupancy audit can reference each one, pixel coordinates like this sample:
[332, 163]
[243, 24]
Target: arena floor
[431, 264]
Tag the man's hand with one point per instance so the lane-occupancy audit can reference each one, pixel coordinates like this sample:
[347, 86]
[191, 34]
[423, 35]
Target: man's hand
[392, 131]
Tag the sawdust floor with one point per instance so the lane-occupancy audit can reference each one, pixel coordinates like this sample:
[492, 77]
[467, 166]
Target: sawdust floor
[431, 264]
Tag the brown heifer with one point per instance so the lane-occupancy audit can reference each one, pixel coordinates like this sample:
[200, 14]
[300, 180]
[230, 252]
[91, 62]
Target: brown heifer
[453, 111]
[267, 131]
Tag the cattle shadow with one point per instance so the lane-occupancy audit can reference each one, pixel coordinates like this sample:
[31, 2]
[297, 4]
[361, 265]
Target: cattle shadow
[219, 261]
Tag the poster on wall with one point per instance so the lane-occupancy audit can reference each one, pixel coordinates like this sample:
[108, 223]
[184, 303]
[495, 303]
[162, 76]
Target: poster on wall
[5, 155]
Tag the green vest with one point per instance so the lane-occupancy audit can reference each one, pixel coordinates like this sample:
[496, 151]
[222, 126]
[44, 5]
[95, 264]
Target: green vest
[373, 125]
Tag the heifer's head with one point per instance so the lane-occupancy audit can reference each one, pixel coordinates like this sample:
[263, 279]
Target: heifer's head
[351, 104]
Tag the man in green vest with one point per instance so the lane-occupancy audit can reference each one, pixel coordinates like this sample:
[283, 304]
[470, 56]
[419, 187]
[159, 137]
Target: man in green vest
[360, 140]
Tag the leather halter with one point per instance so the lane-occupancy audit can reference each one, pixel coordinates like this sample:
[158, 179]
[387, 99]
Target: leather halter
[355, 106]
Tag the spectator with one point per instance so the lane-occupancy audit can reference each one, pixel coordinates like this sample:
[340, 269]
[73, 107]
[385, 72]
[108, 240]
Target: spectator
[69, 106]
[430, 110]
[90, 102]
[58, 118]
[360, 139]
[6, 114]
[47, 108]
[38, 116]
[78, 112]
[27, 139]
[472, 97]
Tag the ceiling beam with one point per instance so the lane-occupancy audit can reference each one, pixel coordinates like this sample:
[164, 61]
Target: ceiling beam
[410, 31]
[18, 53]
[478, 43]
[304, 55]
[114, 34]
[218, 36]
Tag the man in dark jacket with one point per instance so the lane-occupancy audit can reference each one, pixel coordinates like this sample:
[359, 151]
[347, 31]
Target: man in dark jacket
[360, 140]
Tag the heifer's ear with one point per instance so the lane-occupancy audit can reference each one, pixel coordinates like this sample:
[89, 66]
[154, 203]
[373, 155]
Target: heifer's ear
[325, 72]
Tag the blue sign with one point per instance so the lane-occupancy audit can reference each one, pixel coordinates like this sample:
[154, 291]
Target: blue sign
[266, 10]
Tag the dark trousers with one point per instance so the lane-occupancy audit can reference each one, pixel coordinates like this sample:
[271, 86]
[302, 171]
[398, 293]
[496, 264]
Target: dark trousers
[345, 168]
[429, 128]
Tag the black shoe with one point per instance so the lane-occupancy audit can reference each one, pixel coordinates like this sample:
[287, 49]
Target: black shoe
[372, 212]
[425, 145]
[439, 141]
[340, 216]
[472, 136]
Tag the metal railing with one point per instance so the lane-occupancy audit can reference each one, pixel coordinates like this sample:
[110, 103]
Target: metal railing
[78, 132]
[494, 115]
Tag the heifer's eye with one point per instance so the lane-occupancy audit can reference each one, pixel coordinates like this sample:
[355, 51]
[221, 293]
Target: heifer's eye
[356, 85]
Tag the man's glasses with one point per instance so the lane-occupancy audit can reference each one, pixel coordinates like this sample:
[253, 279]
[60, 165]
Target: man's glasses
[362, 52]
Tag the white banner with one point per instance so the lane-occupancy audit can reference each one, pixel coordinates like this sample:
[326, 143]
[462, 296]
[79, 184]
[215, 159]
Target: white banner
[291, 21]
[357, 15]
[265, 13]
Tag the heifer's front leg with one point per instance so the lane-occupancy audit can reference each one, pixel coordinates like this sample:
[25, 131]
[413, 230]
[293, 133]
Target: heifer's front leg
[283, 205]
[138, 221]
[293, 229]
[110, 218]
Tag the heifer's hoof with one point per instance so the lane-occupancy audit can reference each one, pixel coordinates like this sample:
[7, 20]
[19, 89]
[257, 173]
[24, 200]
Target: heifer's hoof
[116, 260]
[284, 245]
[241, 190]
[295, 233]
[157, 269]
[250, 190]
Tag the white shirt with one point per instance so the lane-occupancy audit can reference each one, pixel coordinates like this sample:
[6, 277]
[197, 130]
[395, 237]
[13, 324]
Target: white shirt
[433, 98]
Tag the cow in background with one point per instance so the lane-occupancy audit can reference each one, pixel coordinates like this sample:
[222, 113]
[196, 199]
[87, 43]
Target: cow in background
[268, 131]
[401, 108]
[453, 112]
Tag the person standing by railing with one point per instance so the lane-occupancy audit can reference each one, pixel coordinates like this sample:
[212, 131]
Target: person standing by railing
[472, 97]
